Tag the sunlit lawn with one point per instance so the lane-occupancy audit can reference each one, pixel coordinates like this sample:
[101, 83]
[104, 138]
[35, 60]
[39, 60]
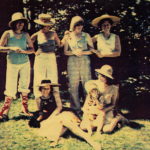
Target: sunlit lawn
[16, 135]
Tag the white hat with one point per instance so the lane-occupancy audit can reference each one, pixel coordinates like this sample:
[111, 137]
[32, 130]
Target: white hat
[106, 70]
[74, 20]
[17, 16]
[46, 82]
[44, 19]
[96, 21]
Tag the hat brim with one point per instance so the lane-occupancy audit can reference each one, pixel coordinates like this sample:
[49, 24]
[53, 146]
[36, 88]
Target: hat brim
[24, 19]
[44, 24]
[115, 20]
[103, 73]
[51, 84]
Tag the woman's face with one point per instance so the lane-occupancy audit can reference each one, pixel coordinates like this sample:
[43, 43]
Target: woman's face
[19, 25]
[78, 28]
[102, 78]
[46, 29]
[46, 90]
[106, 26]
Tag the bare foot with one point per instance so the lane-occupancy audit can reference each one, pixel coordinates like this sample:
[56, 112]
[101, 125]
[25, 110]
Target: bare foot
[54, 143]
[96, 146]
[27, 114]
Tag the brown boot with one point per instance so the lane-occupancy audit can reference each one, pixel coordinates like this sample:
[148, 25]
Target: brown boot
[5, 108]
[25, 105]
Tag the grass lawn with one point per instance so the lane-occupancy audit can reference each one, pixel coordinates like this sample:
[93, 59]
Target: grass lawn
[16, 135]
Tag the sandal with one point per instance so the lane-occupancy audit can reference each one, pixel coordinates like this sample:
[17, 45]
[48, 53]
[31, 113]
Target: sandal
[4, 118]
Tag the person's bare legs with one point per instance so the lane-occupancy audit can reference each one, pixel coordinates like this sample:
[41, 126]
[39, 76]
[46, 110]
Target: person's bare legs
[108, 128]
[86, 125]
[6, 106]
[74, 128]
[100, 121]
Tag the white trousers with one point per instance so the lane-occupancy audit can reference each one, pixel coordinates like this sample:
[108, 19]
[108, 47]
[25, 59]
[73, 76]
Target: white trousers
[45, 67]
[17, 77]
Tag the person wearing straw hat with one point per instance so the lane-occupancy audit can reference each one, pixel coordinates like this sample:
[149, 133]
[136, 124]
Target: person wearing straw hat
[77, 47]
[45, 65]
[48, 104]
[109, 95]
[18, 41]
[108, 44]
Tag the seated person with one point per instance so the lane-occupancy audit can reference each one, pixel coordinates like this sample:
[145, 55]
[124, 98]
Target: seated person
[55, 126]
[93, 115]
[109, 95]
[49, 105]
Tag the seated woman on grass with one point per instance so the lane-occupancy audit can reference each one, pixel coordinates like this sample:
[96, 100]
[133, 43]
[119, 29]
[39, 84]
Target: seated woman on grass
[57, 123]
[104, 120]
[49, 105]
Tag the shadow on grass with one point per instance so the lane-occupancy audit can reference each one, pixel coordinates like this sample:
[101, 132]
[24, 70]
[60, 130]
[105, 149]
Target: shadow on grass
[21, 117]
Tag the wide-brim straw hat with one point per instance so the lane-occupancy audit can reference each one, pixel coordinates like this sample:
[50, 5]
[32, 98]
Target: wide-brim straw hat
[17, 16]
[74, 20]
[44, 20]
[46, 82]
[97, 20]
[106, 70]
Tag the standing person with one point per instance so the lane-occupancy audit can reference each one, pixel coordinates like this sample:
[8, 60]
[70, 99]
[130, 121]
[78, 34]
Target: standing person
[18, 64]
[45, 65]
[78, 45]
[109, 95]
[108, 44]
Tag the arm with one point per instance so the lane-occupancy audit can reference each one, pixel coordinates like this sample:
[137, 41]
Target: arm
[86, 104]
[58, 103]
[66, 35]
[94, 39]
[57, 39]
[66, 49]
[34, 37]
[4, 39]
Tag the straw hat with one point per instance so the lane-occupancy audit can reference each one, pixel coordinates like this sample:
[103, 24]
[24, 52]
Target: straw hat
[46, 82]
[17, 16]
[74, 20]
[44, 19]
[115, 19]
[106, 70]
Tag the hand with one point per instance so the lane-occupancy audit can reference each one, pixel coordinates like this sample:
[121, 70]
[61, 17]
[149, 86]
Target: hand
[16, 49]
[101, 106]
[38, 52]
[99, 54]
[77, 53]
[94, 51]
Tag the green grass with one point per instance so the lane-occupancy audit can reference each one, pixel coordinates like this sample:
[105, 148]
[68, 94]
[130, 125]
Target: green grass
[16, 135]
